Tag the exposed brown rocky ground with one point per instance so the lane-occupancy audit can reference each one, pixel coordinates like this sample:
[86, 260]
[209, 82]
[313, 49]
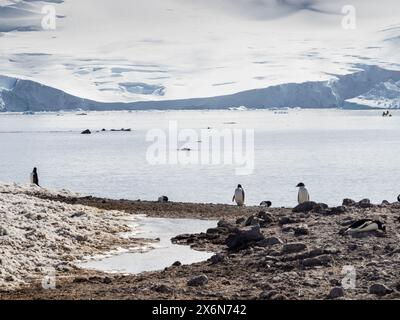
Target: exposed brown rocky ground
[281, 255]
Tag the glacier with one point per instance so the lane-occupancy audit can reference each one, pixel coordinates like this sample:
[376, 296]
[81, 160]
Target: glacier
[369, 86]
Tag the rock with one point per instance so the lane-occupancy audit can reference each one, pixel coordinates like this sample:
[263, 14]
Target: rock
[107, 280]
[9, 279]
[323, 260]
[336, 292]
[3, 232]
[286, 229]
[78, 214]
[352, 246]
[267, 217]
[177, 264]
[198, 281]
[213, 230]
[293, 247]
[348, 202]
[379, 289]
[258, 222]
[301, 230]
[364, 203]
[87, 131]
[81, 238]
[240, 221]
[243, 237]
[80, 280]
[226, 225]
[305, 207]
[272, 295]
[385, 203]
[271, 241]
[338, 210]
[321, 208]
[162, 288]
[217, 258]
[287, 220]
[331, 250]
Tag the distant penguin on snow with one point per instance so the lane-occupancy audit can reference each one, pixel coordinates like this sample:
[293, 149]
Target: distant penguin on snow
[239, 196]
[35, 177]
[366, 225]
[303, 195]
[398, 198]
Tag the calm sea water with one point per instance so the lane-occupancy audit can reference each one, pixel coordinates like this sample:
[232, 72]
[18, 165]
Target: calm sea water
[336, 153]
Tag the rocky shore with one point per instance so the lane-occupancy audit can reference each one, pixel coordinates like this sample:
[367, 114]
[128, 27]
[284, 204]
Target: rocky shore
[261, 253]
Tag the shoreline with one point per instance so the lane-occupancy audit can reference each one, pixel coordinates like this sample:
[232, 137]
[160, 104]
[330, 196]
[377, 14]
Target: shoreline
[301, 256]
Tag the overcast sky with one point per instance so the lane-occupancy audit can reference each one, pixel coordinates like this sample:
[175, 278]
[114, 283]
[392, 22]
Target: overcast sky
[124, 50]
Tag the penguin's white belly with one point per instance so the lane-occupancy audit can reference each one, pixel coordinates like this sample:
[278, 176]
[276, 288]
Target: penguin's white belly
[31, 176]
[239, 197]
[370, 227]
[303, 196]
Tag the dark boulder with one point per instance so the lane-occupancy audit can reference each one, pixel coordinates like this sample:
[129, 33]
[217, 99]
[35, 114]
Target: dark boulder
[305, 206]
[271, 241]
[198, 281]
[379, 289]
[217, 258]
[287, 220]
[242, 238]
[267, 217]
[364, 203]
[301, 230]
[87, 131]
[348, 202]
[323, 260]
[336, 292]
[293, 247]
[223, 224]
[338, 210]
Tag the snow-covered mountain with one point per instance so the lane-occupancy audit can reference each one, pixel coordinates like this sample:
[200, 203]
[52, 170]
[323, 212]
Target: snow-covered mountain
[369, 86]
[383, 95]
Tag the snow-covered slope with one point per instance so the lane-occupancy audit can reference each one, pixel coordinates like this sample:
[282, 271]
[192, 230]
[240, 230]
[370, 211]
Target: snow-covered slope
[368, 86]
[383, 95]
[143, 50]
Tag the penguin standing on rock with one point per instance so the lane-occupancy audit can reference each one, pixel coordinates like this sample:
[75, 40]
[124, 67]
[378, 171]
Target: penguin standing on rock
[239, 196]
[35, 177]
[366, 225]
[303, 195]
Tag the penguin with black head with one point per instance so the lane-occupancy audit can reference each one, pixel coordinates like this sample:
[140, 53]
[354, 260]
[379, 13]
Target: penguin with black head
[239, 196]
[35, 177]
[365, 225]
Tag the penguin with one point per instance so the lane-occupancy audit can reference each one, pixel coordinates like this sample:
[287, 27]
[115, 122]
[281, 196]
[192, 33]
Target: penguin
[398, 198]
[239, 196]
[163, 199]
[266, 204]
[303, 195]
[35, 177]
[365, 225]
